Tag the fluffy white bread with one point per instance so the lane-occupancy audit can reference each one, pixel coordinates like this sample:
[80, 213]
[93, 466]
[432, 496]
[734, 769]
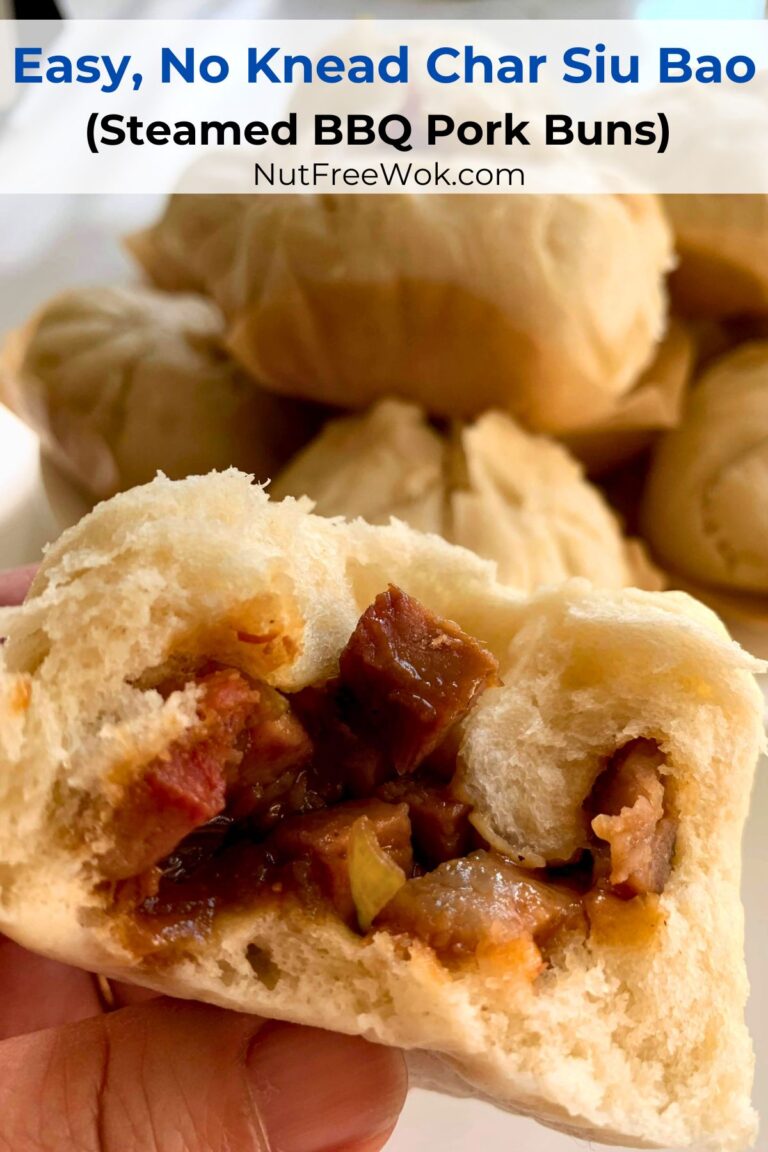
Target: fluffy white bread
[723, 246]
[705, 509]
[640, 1045]
[510, 496]
[548, 307]
[120, 382]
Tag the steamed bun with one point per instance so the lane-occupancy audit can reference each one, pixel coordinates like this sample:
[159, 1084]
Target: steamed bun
[547, 307]
[654, 404]
[120, 382]
[518, 499]
[705, 509]
[723, 246]
[193, 247]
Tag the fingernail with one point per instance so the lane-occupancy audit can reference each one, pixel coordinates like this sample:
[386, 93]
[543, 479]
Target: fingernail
[321, 1092]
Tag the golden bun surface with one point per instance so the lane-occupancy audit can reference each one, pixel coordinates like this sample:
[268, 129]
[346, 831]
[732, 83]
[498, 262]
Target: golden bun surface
[192, 248]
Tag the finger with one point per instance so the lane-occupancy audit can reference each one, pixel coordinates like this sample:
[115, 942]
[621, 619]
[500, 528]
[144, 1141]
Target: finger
[319, 1090]
[39, 993]
[126, 995]
[14, 584]
[168, 1075]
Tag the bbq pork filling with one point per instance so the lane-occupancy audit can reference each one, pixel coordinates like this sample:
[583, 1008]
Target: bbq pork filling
[344, 797]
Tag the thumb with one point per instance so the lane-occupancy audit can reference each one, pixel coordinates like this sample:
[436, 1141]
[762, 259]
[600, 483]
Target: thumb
[169, 1075]
[14, 584]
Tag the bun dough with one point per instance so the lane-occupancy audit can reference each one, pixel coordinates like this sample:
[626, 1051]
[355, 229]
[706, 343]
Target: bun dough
[194, 246]
[389, 462]
[121, 382]
[654, 404]
[723, 246]
[642, 1044]
[518, 499]
[548, 307]
[705, 510]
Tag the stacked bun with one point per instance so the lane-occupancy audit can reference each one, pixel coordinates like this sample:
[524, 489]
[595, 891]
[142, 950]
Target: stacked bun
[120, 382]
[722, 243]
[504, 493]
[546, 307]
[549, 311]
[705, 510]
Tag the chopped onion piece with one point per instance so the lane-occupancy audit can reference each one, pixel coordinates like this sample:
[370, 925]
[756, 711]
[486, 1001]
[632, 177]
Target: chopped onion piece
[373, 875]
[524, 857]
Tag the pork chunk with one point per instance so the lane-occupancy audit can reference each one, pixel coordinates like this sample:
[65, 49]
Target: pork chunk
[440, 822]
[413, 676]
[321, 839]
[630, 804]
[479, 902]
[186, 786]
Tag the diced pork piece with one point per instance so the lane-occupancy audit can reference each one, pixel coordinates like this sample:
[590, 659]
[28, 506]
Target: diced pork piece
[322, 839]
[630, 805]
[440, 822]
[482, 901]
[275, 750]
[186, 786]
[413, 674]
[347, 761]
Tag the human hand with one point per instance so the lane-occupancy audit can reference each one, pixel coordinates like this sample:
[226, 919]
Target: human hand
[14, 584]
[171, 1076]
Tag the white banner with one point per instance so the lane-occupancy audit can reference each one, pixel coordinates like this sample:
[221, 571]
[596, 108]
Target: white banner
[381, 106]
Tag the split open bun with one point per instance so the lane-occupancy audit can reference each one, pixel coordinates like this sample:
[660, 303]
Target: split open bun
[722, 241]
[705, 508]
[508, 495]
[548, 307]
[121, 381]
[624, 1037]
